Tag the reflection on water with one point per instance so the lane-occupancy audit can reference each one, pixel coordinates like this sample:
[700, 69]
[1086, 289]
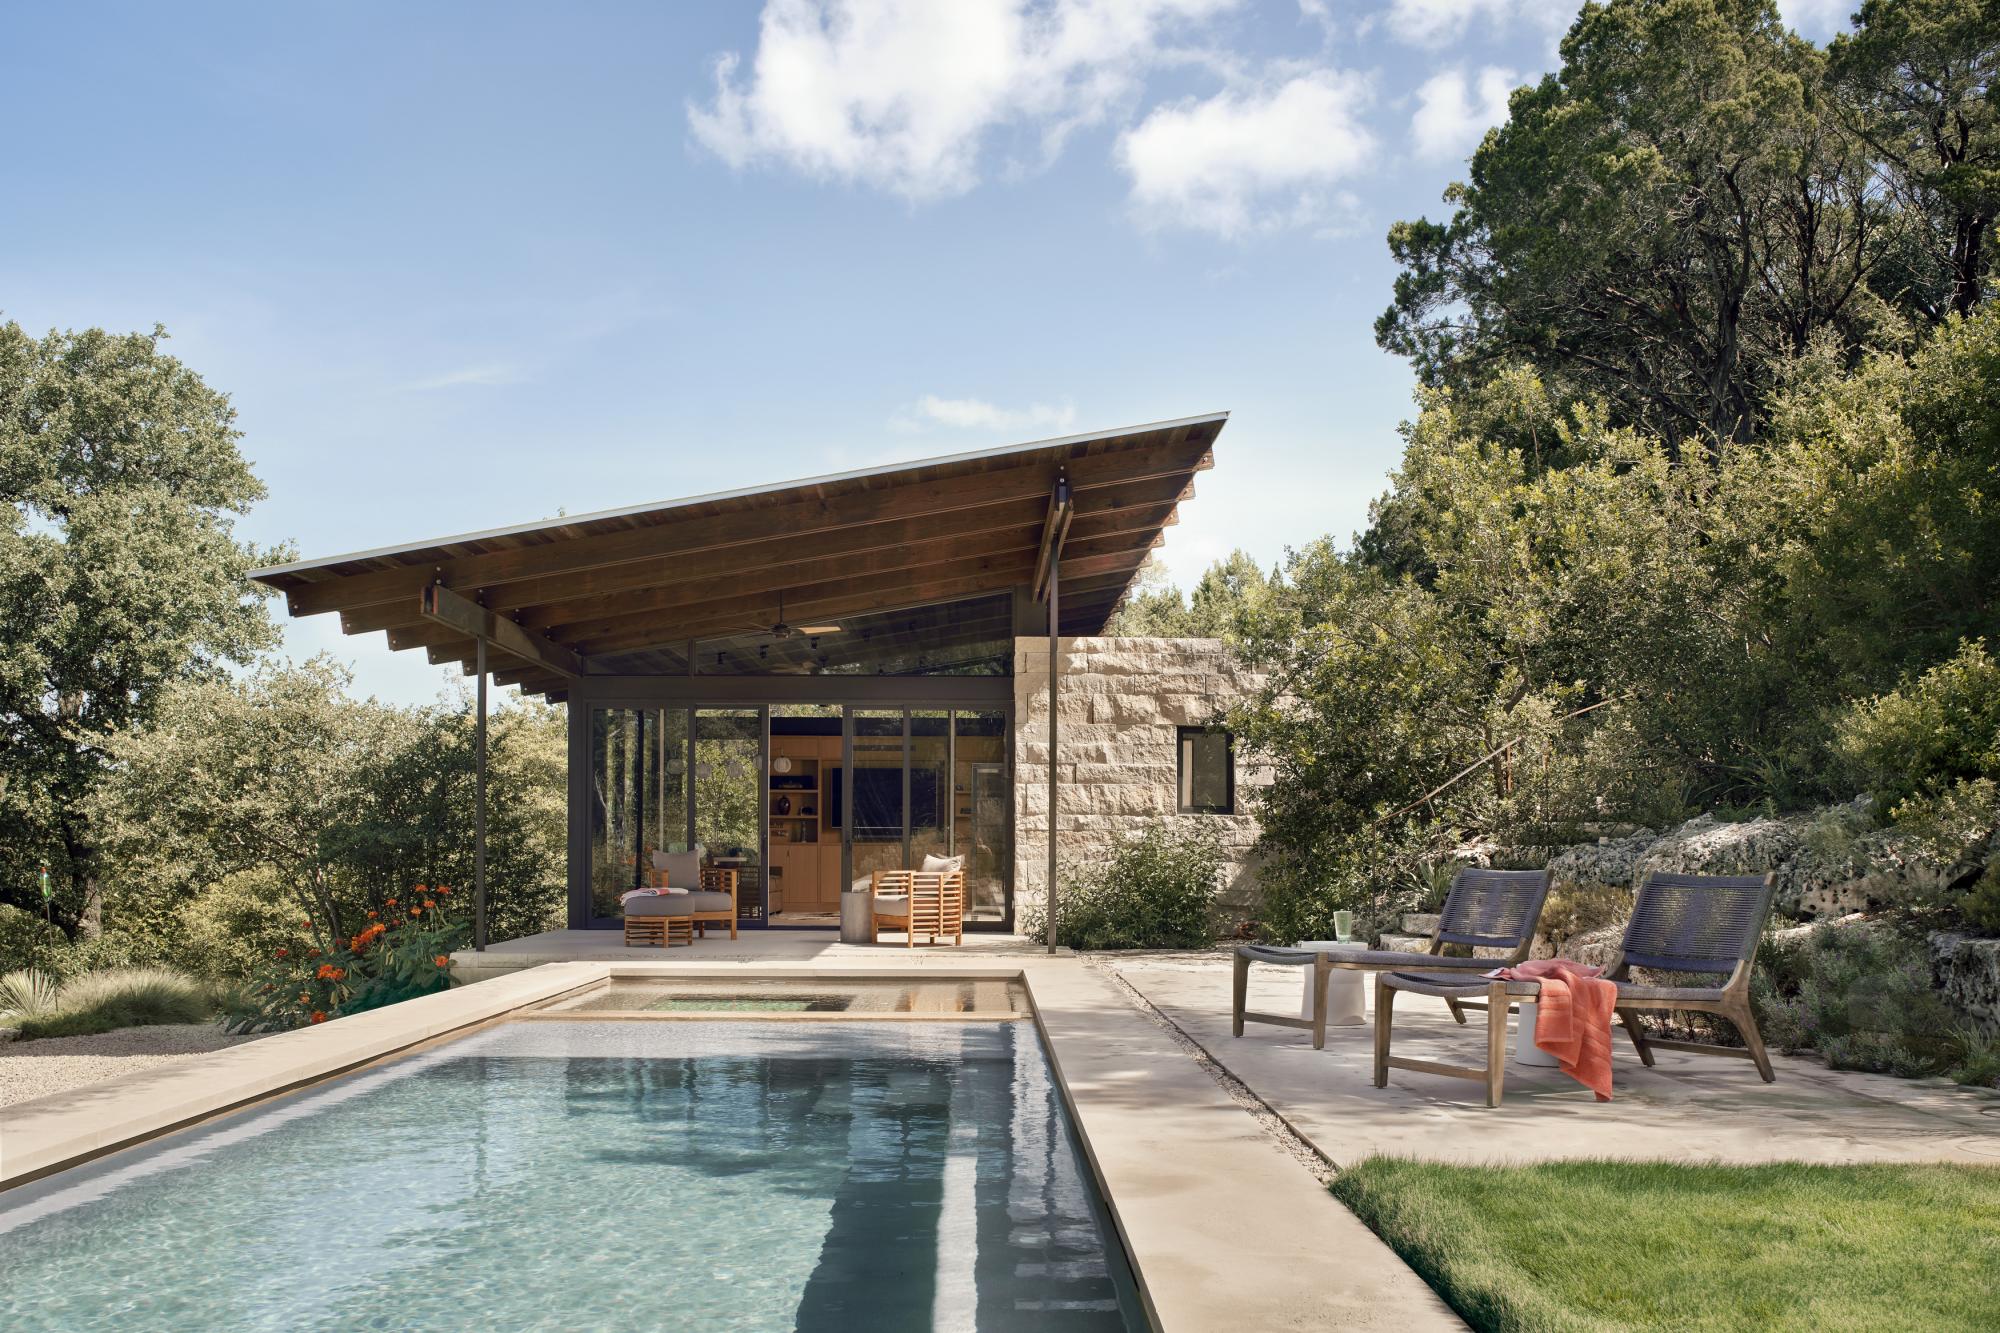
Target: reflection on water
[554, 1175]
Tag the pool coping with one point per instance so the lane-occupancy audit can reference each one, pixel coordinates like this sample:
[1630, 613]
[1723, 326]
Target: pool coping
[1221, 1227]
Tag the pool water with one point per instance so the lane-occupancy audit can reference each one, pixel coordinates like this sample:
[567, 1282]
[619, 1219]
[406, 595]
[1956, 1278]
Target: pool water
[586, 1174]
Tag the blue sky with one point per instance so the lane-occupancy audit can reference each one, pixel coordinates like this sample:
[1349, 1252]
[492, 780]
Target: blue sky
[468, 265]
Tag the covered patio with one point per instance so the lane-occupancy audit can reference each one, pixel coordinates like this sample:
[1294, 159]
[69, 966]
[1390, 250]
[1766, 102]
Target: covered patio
[806, 682]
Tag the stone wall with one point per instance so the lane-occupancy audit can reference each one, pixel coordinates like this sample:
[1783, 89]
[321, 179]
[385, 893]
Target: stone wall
[1119, 703]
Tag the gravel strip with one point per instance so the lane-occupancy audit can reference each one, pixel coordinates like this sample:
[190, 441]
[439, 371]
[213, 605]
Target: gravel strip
[31, 1069]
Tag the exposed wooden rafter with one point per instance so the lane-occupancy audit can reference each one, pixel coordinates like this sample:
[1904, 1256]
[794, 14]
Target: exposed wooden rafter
[474, 621]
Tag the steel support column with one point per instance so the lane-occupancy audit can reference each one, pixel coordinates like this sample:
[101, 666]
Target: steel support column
[1055, 662]
[479, 809]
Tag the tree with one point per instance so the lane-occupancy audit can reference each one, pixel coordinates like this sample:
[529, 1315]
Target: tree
[119, 576]
[341, 804]
[1661, 224]
[1213, 610]
[1920, 82]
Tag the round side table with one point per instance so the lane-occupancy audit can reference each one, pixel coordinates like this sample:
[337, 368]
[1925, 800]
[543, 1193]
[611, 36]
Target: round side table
[1525, 1050]
[1346, 992]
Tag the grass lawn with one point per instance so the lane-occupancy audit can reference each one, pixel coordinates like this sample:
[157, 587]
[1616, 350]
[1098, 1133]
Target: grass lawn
[1656, 1245]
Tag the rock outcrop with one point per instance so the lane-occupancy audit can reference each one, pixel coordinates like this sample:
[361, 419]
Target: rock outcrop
[1829, 863]
[1968, 971]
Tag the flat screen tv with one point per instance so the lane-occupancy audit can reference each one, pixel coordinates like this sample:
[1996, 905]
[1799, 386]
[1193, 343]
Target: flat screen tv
[878, 801]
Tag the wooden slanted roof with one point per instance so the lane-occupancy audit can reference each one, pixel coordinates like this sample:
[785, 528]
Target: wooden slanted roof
[914, 558]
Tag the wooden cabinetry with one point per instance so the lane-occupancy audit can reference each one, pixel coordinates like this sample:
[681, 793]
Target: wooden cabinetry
[805, 842]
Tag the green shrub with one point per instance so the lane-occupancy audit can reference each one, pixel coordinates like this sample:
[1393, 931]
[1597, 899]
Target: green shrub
[27, 941]
[1863, 997]
[120, 998]
[404, 951]
[233, 928]
[1939, 730]
[1573, 909]
[1157, 891]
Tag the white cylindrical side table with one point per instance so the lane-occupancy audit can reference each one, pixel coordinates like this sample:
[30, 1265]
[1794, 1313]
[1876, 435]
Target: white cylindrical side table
[1525, 1050]
[1346, 992]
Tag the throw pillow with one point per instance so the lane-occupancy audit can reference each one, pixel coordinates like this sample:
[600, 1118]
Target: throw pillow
[682, 869]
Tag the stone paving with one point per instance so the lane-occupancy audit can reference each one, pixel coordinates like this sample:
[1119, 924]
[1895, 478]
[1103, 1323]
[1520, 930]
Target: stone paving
[1689, 1108]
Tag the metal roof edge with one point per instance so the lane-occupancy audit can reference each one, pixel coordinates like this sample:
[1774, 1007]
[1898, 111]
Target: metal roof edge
[880, 469]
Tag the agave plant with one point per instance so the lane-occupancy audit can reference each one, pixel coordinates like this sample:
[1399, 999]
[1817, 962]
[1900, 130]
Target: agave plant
[27, 994]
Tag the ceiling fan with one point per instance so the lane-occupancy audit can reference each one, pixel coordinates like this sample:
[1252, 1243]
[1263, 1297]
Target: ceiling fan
[780, 630]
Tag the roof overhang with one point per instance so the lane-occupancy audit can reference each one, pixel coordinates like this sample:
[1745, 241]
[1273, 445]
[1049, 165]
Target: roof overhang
[630, 590]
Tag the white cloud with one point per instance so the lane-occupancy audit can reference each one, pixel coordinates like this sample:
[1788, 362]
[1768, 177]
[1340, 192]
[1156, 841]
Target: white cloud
[1454, 112]
[1434, 23]
[1818, 19]
[1237, 163]
[978, 414]
[906, 95]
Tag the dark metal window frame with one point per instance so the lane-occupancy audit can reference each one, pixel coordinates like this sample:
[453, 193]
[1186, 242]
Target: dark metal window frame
[1228, 774]
[984, 694]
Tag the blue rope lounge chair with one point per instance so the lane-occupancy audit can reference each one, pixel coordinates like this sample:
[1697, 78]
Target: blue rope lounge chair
[1708, 925]
[1486, 909]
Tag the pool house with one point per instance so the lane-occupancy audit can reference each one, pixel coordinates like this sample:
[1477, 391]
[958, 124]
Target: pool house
[814, 680]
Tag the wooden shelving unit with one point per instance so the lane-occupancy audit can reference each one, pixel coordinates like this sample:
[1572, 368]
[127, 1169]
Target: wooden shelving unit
[805, 847]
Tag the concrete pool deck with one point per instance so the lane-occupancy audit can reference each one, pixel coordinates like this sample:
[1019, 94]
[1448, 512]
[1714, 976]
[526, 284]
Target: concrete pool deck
[1688, 1108]
[1224, 1227]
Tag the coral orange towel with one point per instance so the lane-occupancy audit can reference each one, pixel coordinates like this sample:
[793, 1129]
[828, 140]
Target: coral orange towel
[1573, 1017]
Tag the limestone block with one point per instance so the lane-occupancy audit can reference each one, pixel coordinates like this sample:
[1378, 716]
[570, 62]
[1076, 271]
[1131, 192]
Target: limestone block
[1968, 971]
[1609, 862]
[1706, 846]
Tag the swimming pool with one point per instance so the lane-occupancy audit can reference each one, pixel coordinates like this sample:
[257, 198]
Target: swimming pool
[711, 1175]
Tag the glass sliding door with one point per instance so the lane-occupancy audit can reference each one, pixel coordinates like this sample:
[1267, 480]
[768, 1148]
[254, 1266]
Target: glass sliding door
[638, 799]
[930, 786]
[875, 791]
[982, 813]
[729, 798]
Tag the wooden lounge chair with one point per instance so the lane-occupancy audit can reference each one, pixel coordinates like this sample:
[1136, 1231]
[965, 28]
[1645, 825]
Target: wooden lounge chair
[919, 902]
[670, 918]
[1704, 924]
[1488, 909]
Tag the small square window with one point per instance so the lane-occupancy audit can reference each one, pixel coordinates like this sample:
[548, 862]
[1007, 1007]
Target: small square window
[1207, 772]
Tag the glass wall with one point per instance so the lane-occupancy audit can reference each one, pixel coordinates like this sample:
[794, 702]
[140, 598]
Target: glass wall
[875, 792]
[930, 785]
[728, 798]
[982, 806]
[802, 800]
[638, 798]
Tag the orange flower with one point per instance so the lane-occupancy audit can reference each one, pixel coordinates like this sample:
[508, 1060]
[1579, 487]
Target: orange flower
[415, 912]
[328, 972]
[305, 998]
[422, 889]
[319, 1016]
[373, 915]
[442, 889]
[283, 952]
[391, 902]
[442, 960]
[307, 923]
[312, 951]
[428, 904]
